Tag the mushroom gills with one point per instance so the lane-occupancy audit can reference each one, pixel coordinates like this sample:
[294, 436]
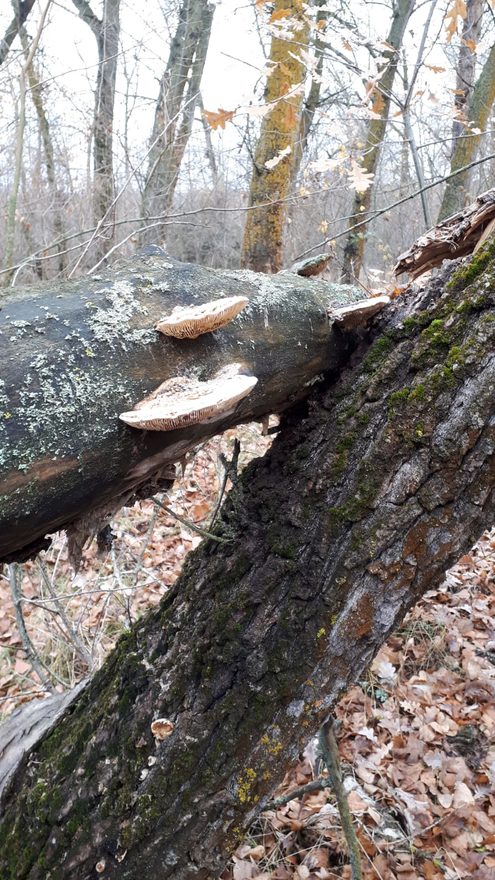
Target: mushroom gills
[183, 401]
[189, 322]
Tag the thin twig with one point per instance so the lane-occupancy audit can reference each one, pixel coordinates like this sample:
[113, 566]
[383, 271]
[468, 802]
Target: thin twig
[42, 671]
[316, 785]
[80, 649]
[190, 525]
[229, 470]
[330, 754]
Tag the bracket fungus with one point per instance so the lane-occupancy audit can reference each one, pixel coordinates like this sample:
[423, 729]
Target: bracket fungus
[183, 401]
[356, 314]
[189, 322]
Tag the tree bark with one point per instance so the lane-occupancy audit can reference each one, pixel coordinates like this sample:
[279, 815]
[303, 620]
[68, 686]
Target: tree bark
[382, 96]
[457, 192]
[361, 504]
[263, 240]
[466, 66]
[22, 9]
[177, 100]
[106, 32]
[36, 91]
[76, 354]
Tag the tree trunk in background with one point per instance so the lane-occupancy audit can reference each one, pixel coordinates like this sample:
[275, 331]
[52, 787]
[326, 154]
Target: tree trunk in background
[35, 88]
[262, 246]
[382, 94]
[466, 66]
[312, 102]
[362, 503]
[457, 191]
[177, 100]
[106, 32]
[22, 8]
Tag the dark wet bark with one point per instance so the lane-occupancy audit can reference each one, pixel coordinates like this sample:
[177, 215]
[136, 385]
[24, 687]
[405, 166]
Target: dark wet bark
[76, 354]
[22, 8]
[364, 500]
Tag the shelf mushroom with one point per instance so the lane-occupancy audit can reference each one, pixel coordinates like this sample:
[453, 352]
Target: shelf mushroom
[356, 314]
[183, 401]
[189, 322]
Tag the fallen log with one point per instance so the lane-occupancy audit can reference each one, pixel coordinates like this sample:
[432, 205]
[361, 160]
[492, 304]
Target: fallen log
[455, 237]
[361, 504]
[76, 355]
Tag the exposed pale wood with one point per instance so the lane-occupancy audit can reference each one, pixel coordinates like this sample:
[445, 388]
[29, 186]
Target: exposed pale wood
[454, 237]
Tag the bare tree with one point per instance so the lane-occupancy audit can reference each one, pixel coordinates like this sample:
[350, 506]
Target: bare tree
[106, 32]
[478, 109]
[22, 8]
[178, 97]
[381, 100]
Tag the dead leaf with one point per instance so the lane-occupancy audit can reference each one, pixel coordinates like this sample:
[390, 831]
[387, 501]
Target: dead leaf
[359, 178]
[218, 119]
[456, 10]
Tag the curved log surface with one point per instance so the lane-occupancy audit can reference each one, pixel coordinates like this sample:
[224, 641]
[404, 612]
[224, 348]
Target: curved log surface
[77, 354]
[358, 508]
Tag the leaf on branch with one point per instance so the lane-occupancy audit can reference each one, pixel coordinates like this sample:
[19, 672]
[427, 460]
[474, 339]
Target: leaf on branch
[435, 68]
[377, 102]
[359, 179]
[217, 119]
[471, 44]
[272, 163]
[279, 14]
[319, 166]
[456, 10]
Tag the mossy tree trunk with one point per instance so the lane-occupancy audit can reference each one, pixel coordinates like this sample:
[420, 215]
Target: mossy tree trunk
[364, 500]
[457, 191]
[381, 99]
[263, 240]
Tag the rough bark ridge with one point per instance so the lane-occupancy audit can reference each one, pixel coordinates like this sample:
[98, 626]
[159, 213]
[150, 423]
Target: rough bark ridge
[358, 508]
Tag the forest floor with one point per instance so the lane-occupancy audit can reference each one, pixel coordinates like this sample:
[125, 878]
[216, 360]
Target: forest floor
[416, 735]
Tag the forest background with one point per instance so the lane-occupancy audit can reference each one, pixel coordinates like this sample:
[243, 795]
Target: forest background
[121, 127]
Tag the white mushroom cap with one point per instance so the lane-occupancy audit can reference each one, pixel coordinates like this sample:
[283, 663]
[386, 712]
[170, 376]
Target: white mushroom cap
[356, 314]
[188, 322]
[182, 401]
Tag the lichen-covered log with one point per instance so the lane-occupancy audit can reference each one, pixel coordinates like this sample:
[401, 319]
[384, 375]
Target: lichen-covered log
[361, 504]
[76, 354]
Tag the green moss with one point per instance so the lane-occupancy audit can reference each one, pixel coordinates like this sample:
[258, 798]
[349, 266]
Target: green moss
[378, 353]
[465, 275]
[396, 398]
[417, 393]
[412, 324]
[284, 550]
